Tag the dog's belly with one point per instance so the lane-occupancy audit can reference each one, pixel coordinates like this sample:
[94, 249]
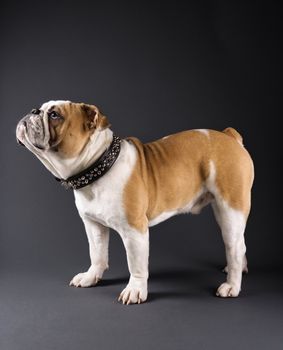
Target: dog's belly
[168, 214]
[195, 206]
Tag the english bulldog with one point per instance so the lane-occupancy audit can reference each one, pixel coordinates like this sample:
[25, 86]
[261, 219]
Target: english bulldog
[129, 186]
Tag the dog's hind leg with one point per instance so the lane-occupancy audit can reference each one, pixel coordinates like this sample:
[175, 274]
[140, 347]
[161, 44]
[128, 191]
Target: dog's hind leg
[216, 212]
[232, 223]
[231, 188]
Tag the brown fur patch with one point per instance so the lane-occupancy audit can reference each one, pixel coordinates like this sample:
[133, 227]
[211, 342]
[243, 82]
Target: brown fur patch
[165, 177]
[170, 172]
[234, 171]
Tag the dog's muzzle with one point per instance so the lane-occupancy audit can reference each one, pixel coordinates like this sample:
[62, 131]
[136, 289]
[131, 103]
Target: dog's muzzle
[32, 125]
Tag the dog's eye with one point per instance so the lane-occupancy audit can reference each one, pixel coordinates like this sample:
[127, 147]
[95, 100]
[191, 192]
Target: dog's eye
[54, 115]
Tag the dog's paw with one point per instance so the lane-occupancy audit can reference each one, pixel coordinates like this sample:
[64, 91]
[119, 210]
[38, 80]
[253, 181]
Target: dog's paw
[227, 290]
[85, 279]
[133, 294]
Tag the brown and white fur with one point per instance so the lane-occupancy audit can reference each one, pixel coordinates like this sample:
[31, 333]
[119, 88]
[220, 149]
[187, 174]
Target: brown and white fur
[148, 183]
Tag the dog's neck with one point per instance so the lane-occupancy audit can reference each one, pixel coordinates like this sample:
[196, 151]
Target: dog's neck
[66, 167]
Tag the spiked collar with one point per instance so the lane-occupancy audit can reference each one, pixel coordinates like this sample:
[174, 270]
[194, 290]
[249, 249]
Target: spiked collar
[94, 172]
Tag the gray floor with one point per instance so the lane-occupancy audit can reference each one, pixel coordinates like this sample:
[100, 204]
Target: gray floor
[39, 311]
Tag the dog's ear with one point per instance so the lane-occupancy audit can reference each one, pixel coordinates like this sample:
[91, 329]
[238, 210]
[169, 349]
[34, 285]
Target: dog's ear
[94, 119]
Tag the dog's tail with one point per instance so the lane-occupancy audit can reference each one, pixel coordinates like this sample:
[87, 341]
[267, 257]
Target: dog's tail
[233, 133]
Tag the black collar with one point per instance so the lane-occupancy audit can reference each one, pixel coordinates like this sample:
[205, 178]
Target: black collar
[96, 170]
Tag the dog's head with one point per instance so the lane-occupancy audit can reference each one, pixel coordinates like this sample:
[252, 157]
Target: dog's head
[60, 126]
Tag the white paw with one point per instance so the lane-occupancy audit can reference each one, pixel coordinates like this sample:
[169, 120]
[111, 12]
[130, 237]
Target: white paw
[227, 290]
[85, 279]
[134, 293]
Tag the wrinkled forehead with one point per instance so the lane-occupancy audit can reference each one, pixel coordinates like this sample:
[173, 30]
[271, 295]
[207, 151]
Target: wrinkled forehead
[48, 105]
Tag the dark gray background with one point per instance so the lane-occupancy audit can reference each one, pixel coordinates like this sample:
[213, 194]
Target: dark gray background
[154, 69]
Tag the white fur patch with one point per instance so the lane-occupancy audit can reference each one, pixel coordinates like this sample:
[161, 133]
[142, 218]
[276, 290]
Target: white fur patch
[210, 182]
[203, 131]
[102, 200]
[162, 217]
[47, 105]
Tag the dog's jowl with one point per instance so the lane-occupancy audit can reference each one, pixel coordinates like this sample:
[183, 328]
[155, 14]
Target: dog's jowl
[129, 186]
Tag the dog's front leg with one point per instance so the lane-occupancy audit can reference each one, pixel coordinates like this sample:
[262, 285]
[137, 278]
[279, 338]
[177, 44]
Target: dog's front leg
[98, 239]
[137, 249]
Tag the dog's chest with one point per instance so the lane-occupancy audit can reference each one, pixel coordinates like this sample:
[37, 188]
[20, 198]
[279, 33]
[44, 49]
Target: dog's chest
[103, 205]
[102, 201]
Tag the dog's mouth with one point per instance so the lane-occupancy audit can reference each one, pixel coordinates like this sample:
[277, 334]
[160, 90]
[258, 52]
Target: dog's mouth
[20, 143]
[22, 126]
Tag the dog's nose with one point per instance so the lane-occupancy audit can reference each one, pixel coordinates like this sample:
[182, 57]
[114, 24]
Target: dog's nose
[35, 111]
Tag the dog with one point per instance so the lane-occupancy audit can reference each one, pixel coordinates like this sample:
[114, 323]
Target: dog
[129, 186]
